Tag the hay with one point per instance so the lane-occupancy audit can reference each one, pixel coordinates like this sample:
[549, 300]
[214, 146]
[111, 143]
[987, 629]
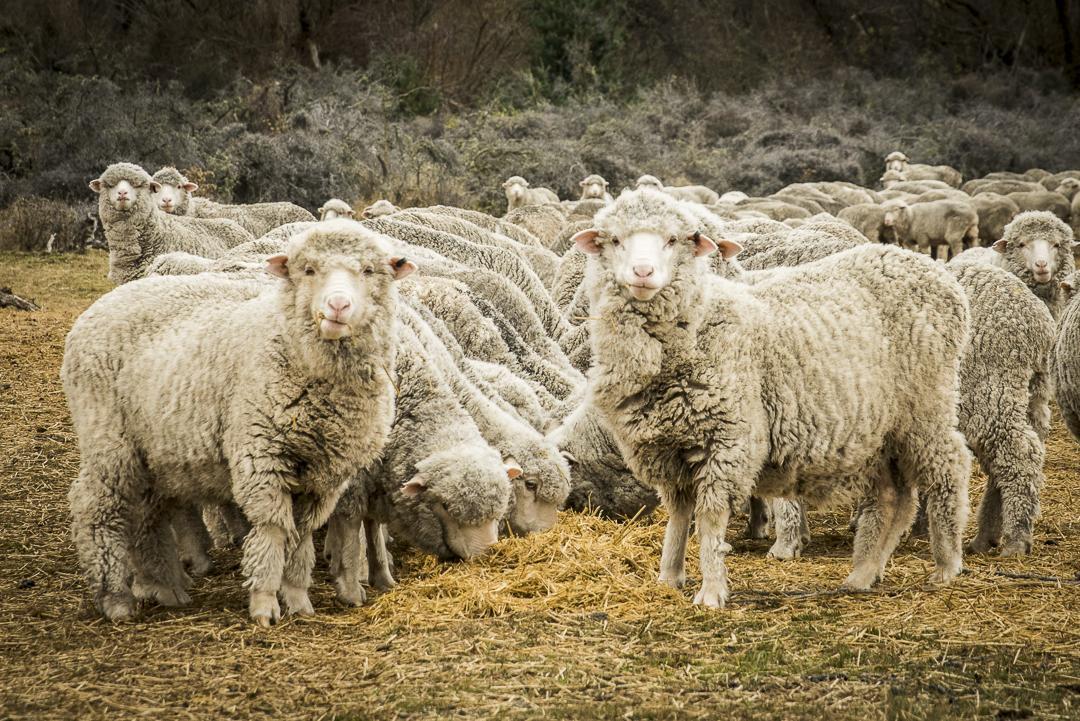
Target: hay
[568, 624]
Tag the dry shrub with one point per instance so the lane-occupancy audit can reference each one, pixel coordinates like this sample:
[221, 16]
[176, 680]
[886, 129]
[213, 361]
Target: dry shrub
[32, 223]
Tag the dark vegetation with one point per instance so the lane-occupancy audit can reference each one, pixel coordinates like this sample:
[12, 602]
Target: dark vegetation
[437, 102]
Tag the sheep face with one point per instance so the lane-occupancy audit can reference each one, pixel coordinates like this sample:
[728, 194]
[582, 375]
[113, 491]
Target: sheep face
[1037, 245]
[644, 261]
[335, 208]
[378, 209]
[515, 188]
[593, 187]
[169, 198]
[896, 161]
[1068, 187]
[124, 188]
[530, 513]
[333, 271]
[650, 181]
[452, 505]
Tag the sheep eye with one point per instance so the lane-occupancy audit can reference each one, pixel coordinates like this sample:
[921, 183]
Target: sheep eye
[614, 241]
[309, 270]
[671, 240]
[530, 485]
[368, 270]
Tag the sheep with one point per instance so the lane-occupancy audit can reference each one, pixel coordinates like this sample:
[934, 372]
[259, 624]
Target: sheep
[1056, 203]
[1004, 408]
[995, 211]
[521, 396]
[438, 485]
[1075, 214]
[336, 208]
[518, 193]
[868, 219]
[929, 226]
[137, 232]
[894, 181]
[1035, 174]
[779, 210]
[1051, 182]
[208, 390]
[733, 197]
[594, 187]
[809, 197]
[1068, 187]
[486, 222]
[379, 208]
[705, 430]
[546, 222]
[256, 218]
[1065, 360]
[932, 195]
[898, 162]
[579, 209]
[691, 193]
[1002, 187]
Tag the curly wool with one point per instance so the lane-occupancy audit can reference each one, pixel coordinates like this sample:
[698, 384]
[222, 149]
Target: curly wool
[1065, 360]
[1030, 226]
[209, 389]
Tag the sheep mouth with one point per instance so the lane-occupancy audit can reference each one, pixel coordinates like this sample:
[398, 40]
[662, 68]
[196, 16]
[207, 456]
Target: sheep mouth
[640, 291]
[1043, 276]
[330, 329]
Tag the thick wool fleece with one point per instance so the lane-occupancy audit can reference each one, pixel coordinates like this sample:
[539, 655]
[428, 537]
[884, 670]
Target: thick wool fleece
[488, 222]
[546, 222]
[207, 389]
[1030, 226]
[1065, 362]
[814, 383]
[1005, 402]
[139, 233]
[433, 439]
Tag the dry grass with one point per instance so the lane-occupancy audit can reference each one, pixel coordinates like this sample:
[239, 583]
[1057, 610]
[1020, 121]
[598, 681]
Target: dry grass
[569, 624]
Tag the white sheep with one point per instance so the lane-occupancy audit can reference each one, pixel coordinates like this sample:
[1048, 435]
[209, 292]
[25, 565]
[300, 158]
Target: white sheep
[336, 208]
[594, 187]
[1065, 359]
[518, 193]
[380, 208]
[940, 227]
[692, 193]
[698, 377]
[137, 231]
[208, 389]
[898, 162]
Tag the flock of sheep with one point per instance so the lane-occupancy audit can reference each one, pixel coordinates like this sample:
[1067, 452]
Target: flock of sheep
[442, 376]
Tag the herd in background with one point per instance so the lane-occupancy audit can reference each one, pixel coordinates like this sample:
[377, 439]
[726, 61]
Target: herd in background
[440, 376]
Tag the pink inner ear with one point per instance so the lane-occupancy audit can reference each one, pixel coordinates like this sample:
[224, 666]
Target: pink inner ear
[729, 249]
[1000, 246]
[704, 245]
[278, 265]
[513, 472]
[585, 241]
[155, 186]
[95, 185]
[401, 267]
[412, 488]
[190, 187]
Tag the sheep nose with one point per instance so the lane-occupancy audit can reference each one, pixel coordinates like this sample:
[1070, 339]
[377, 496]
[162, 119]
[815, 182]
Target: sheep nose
[1040, 264]
[339, 303]
[643, 271]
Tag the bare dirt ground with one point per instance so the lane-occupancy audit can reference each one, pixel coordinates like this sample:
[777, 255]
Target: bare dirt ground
[565, 625]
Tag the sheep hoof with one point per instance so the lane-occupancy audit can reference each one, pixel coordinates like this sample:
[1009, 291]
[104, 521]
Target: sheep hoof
[351, 594]
[860, 581]
[297, 601]
[942, 577]
[159, 592]
[711, 595]
[673, 580]
[383, 581]
[118, 606]
[197, 567]
[1018, 547]
[783, 552]
[980, 545]
[264, 608]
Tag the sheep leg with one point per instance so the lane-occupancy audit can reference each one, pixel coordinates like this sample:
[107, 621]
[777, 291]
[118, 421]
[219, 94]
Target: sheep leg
[310, 512]
[989, 535]
[345, 548]
[884, 517]
[712, 519]
[378, 557]
[159, 575]
[101, 500]
[192, 539]
[226, 524]
[804, 524]
[1016, 467]
[937, 455]
[1039, 393]
[673, 555]
[788, 519]
[757, 526]
[265, 502]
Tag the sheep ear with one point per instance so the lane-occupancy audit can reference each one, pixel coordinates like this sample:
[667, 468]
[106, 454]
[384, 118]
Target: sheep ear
[413, 487]
[582, 184]
[402, 267]
[155, 187]
[704, 245]
[190, 187]
[278, 265]
[585, 241]
[513, 470]
[351, 213]
[728, 249]
[1001, 246]
[95, 185]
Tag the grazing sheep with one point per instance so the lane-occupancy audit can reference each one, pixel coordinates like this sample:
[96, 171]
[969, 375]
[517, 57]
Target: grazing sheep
[868, 219]
[579, 209]
[680, 381]
[209, 390]
[518, 393]
[1036, 174]
[336, 208]
[691, 193]
[929, 226]
[898, 162]
[518, 193]
[256, 218]
[137, 231]
[1036, 247]
[379, 208]
[594, 187]
[932, 195]
[995, 211]
[894, 181]
[1065, 360]
[438, 485]
[1004, 408]
[1055, 203]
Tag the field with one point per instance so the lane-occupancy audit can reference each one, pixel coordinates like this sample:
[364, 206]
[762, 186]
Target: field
[565, 625]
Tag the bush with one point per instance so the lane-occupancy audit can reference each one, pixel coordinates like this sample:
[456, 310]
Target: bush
[39, 224]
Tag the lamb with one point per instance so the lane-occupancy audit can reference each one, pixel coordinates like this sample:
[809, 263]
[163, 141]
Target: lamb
[1037, 247]
[438, 486]
[336, 208]
[518, 193]
[379, 209]
[256, 218]
[928, 226]
[691, 193]
[1004, 407]
[1056, 203]
[995, 211]
[137, 231]
[594, 187]
[696, 426]
[897, 161]
[158, 376]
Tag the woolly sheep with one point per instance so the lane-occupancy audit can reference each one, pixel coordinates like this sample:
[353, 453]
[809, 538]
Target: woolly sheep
[1065, 360]
[1036, 174]
[805, 201]
[158, 376]
[137, 232]
[514, 390]
[1055, 203]
[778, 210]
[995, 211]
[898, 162]
[733, 196]
[946, 224]
[1037, 247]
[691, 193]
[1002, 187]
[578, 209]
[487, 222]
[336, 208]
[518, 193]
[868, 219]
[932, 195]
[1051, 182]
[679, 380]
[379, 208]
[256, 218]
[438, 485]
[545, 222]
[1004, 408]
[1068, 187]
[594, 187]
